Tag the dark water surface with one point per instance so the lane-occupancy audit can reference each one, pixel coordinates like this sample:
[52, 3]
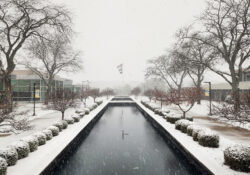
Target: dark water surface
[123, 143]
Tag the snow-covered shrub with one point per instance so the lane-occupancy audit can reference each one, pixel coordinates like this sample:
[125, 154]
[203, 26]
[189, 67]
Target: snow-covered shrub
[3, 166]
[82, 114]
[172, 118]
[238, 157]
[93, 106]
[99, 102]
[59, 124]
[32, 141]
[185, 124]
[86, 111]
[41, 138]
[65, 124]
[48, 134]
[54, 129]
[10, 155]
[182, 125]
[195, 132]
[69, 120]
[76, 118]
[78, 111]
[190, 129]
[159, 112]
[208, 138]
[189, 118]
[22, 148]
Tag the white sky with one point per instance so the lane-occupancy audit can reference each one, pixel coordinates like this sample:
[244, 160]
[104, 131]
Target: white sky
[110, 32]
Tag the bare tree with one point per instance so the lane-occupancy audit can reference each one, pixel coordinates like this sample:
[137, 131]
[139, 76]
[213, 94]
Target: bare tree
[184, 99]
[62, 100]
[94, 93]
[226, 33]
[149, 93]
[54, 55]
[159, 95]
[196, 56]
[21, 20]
[169, 68]
[107, 92]
[135, 91]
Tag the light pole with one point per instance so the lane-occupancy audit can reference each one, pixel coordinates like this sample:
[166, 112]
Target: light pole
[210, 97]
[34, 99]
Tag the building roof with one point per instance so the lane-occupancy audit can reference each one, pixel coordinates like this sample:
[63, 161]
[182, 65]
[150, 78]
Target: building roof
[244, 85]
[28, 74]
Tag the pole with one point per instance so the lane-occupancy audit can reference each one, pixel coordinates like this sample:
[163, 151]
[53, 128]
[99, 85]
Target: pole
[210, 99]
[34, 99]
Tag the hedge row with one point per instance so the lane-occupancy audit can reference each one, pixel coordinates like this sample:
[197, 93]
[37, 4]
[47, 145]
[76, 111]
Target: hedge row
[22, 148]
[236, 156]
[205, 137]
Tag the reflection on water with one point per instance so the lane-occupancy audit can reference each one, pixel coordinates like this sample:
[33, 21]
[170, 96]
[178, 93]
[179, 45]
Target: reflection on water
[123, 143]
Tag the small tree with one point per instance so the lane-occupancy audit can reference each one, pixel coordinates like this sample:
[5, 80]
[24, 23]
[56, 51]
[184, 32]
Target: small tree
[149, 93]
[62, 100]
[159, 95]
[135, 91]
[84, 95]
[53, 56]
[184, 99]
[94, 93]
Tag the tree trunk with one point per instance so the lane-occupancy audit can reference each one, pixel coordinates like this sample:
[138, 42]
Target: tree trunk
[236, 96]
[48, 94]
[184, 114]
[7, 81]
[199, 90]
[63, 115]
[199, 95]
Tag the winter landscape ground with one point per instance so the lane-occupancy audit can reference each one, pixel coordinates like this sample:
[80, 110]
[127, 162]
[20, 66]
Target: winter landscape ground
[212, 158]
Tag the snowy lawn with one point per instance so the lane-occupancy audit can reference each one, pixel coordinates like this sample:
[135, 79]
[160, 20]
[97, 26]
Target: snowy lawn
[44, 118]
[212, 158]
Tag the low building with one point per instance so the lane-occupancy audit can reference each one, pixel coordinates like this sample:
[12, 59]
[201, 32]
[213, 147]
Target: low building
[24, 81]
[222, 90]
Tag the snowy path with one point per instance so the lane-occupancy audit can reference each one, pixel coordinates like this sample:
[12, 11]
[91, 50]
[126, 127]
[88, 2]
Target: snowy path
[200, 115]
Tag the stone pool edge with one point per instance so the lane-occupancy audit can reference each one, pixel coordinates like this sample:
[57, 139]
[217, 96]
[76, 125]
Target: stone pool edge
[193, 160]
[40, 161]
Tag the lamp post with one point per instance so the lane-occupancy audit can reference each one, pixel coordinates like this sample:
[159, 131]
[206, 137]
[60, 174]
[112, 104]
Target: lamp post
[34, 99]
[210, 97]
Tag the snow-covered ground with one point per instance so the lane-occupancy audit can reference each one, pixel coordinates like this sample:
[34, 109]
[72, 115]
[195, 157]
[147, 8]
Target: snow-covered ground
[42, 157]
[44, 117]
[199, 111]
[211, 157]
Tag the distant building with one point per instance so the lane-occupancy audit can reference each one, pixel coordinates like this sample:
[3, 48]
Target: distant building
[22, 82]
[222, 90]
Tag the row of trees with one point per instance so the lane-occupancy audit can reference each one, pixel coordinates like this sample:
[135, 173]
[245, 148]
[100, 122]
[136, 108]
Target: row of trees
[184, 98]
[221, 45]
[41, 33]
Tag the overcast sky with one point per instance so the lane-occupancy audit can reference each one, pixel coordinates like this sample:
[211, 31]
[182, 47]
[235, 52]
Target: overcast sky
[111, 32]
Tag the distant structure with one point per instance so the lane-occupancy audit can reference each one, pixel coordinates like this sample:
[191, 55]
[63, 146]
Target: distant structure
[222, 90]
[22, 82]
